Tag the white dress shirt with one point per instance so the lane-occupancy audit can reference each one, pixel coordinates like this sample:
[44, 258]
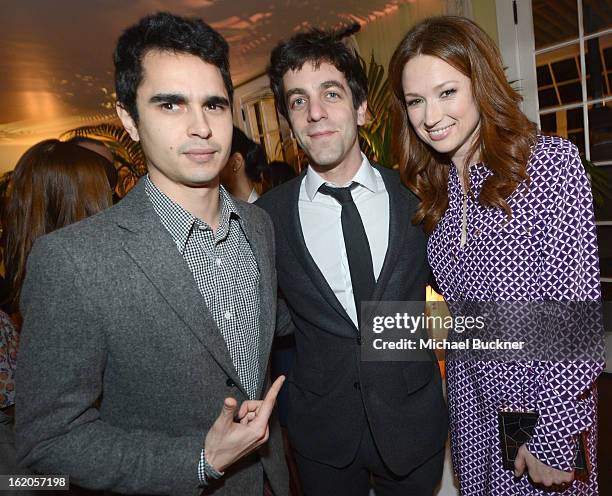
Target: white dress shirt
[253, 196]
[322, 227]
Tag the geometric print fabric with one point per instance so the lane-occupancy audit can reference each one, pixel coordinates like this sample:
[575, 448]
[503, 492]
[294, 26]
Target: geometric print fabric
[547, 251]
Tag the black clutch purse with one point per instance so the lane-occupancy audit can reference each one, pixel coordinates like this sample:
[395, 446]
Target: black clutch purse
[516, 428]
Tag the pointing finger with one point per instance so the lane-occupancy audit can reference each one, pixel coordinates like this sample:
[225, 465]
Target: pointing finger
[267, 405]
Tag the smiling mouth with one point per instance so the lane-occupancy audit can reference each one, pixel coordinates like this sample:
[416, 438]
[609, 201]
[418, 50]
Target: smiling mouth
[321, 134]
[440, 131]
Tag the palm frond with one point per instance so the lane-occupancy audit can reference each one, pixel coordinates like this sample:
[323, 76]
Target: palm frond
[375, 136]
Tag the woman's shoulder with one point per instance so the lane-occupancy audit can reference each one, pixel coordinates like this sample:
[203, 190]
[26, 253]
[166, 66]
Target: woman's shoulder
[552, 150]
[553, 157]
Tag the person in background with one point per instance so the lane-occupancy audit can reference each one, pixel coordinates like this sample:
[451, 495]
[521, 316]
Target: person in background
[54, 184]
[510, 218]
[101, 149]
[242, 176]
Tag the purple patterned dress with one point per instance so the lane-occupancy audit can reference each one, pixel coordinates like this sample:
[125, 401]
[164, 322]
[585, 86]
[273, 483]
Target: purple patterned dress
[548, 251]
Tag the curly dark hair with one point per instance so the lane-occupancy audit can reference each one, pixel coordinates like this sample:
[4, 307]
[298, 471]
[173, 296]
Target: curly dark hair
[316, 46]
[165, 32]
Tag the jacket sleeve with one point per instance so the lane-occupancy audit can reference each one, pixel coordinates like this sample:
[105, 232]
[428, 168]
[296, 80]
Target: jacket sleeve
[59, 380]
[570, 281]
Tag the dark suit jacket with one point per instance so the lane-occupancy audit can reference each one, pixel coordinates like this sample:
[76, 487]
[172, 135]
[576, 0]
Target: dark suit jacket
[113, 314]
[332, 393]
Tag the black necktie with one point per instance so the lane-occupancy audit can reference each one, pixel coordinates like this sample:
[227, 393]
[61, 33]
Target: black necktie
[356, 245]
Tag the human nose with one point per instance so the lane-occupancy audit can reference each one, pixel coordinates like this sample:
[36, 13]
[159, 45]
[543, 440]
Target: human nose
[433, 114]
[316, 111]
[198, 125]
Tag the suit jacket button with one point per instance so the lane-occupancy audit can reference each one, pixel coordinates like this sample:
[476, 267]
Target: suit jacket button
[230, 383]
[359, 341]
[357, 386]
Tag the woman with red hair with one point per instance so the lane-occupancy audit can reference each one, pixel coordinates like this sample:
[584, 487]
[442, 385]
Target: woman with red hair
[510, 218]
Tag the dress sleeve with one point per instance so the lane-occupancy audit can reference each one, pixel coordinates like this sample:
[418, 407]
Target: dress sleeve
[569, 278]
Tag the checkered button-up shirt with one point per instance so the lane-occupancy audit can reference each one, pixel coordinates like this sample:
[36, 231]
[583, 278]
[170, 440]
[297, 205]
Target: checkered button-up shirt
[226, 272]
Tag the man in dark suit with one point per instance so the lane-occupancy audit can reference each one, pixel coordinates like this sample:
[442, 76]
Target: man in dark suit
[344, 236]
[143, 322]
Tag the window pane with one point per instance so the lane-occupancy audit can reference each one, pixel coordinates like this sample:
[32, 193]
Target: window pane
[606, 293]
[568, 124]
[548, 123]
[578, 139]
[565, 70]
[607, 55]
[597, 15]
[544, 76]
[598, 59]
[554, 21]
[603, 210]
[558, 76]
[600, 132]
[570, 93]
[548, 98]
[575, 119]
[604, 241]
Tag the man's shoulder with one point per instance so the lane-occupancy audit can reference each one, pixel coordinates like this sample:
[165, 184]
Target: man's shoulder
[394, 184]
[386, 172]
[92, 233]
[251, 212]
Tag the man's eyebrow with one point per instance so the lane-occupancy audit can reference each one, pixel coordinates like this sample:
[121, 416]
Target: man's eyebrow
[168, 98]
[332, 83]
[295, 91]
[177, 98]
[216, 100]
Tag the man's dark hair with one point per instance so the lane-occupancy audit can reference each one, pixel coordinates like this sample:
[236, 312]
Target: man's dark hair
[165, 32]
[316, 46]
[255, 162]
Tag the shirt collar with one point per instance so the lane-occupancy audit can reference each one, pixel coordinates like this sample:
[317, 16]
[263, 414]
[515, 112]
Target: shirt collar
[179, 222]
[365, 177]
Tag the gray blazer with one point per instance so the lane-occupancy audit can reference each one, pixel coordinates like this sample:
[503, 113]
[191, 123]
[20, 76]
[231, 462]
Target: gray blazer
[122, 369]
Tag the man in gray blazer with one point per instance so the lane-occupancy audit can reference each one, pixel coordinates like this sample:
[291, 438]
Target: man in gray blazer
[144, 322]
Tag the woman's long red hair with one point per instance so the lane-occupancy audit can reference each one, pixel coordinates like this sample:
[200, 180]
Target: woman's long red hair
[505, 135]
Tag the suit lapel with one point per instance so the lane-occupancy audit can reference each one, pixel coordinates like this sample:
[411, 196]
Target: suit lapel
[397, 229]
[295, 237]
[151, 247]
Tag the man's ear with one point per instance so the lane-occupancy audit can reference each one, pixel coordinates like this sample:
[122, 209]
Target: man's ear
[127, 121]
[361, 113]
[237, 161]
